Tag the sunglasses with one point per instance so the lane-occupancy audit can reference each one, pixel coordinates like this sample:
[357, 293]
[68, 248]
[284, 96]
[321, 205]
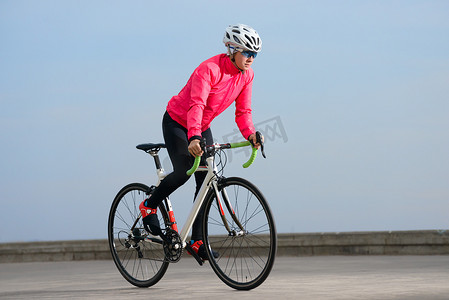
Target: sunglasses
[249, 54]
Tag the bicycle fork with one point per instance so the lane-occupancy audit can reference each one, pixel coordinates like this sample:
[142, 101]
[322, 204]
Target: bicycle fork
[230, 209]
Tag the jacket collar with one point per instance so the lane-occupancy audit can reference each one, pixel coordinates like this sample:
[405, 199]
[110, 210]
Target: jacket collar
[230, 67]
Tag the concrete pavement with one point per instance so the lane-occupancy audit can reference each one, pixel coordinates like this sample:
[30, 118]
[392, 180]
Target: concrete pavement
[316, 277]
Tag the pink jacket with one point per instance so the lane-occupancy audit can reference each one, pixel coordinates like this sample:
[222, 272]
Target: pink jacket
[214, 85]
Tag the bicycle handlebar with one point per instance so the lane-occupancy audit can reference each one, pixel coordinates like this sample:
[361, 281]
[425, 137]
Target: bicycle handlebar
[224, 146]
[195, 166]
[253, 153]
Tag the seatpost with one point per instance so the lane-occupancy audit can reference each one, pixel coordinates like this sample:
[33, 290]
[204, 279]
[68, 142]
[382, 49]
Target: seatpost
[157, 161]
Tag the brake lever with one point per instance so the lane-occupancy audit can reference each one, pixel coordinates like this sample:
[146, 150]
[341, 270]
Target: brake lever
[203, 145]
[259, 139]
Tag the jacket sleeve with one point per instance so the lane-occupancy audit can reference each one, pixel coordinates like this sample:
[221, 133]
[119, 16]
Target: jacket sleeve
[243, 112]
[201, 83]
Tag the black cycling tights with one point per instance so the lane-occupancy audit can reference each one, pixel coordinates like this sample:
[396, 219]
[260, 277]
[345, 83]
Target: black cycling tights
[177, 144]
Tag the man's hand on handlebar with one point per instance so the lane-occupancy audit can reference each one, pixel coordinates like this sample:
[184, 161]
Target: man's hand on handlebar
[195, 148]
[257, 141]
[253, 139]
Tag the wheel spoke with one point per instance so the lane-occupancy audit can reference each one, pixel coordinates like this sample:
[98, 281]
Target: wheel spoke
[246, 257]
[140, 262]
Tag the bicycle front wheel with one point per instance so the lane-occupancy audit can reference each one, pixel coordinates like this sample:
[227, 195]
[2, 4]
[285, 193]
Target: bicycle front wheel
[247, 245]
[138, 256]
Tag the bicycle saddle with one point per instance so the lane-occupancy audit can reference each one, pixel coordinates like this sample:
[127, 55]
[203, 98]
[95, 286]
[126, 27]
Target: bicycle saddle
[150, 146]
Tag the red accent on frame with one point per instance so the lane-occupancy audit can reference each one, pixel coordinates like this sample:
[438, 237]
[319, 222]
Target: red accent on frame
[221, 207]
[171, 218]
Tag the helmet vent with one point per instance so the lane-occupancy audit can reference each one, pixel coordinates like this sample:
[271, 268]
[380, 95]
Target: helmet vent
[253, 40]
[242, 37]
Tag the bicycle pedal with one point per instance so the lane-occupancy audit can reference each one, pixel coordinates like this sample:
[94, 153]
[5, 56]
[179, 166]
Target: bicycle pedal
[194, 254]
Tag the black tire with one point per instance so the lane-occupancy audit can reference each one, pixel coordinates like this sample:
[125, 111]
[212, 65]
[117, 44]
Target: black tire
[245, 260]
[127, 246]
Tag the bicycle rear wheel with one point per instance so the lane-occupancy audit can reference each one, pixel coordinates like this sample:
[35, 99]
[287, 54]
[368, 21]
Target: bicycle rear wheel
[246, 256]
[138, 256]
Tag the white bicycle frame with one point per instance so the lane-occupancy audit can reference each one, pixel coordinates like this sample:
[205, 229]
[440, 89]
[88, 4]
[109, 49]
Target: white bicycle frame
[209, 181]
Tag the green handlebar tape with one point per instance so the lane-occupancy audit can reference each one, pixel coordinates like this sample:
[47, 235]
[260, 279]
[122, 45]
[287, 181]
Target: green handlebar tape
[233, 145]
[253, 154]
[241, 144]
[195, 165]
[251, 159]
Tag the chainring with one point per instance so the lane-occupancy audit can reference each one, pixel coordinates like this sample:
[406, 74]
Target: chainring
[172, 246]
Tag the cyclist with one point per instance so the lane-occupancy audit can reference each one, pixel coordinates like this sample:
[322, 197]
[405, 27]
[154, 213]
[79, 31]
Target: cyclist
[213, 86]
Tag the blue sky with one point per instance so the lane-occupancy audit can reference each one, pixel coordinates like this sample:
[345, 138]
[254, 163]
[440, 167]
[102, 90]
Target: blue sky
[360, 88]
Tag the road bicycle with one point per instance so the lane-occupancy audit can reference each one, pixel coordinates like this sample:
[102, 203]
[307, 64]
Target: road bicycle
[237, 224]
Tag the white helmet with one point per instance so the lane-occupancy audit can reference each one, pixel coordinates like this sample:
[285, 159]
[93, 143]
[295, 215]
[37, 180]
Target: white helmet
[243, 38]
